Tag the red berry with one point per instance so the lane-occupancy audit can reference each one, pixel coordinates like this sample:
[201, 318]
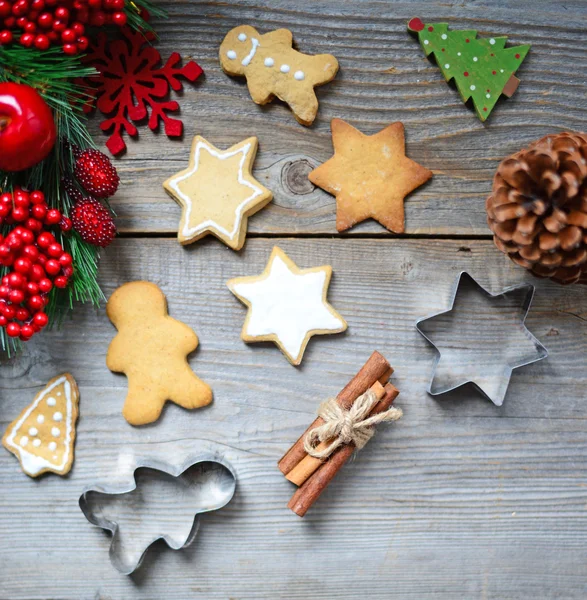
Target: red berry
[59, 25]
[34, 225]
[52, 267]
[119, 18]
[16, 296]
[37, 272]
[55, 250]
[5, 37]
[41, 319]
[30, 27]
[37, 197]
[70, 49]
[66, 224]
[39, 211]
[8, 310]
[65, 259]
[60, 282]
[45, 239]
[27, 39]
[32, 288]
[27, 236]
[36, 303]
[13, 242]
[4, 250]
[22, 314]
[69, 36]
[38, 5]
[42, 260]
[62, 13]
[22, 265]
[93, 222]
[98, 19]
[16, 280]
[78, 28]
[19, 213]
[13, 329]
[4, 291]
[67, 271]
[45, 21]
[82, 43]
[45, 285]
[3, 321]
[42, 42]
[53, 216]
[96, 174]
[5, 8]
[26, 332]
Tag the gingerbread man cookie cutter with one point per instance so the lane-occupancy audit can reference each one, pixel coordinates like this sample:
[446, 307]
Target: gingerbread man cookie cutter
[137, 515]
[273, 68]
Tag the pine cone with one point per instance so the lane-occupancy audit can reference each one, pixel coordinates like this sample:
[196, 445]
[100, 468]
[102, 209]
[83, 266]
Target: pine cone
[537, 210]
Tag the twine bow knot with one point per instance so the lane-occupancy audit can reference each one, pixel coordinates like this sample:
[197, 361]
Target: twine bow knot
[346, 426]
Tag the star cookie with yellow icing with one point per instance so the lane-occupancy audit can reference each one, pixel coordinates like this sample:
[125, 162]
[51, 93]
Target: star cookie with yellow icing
[370, 175]
[287, 305]
[217, 192]
[273, 68]
[42, 437]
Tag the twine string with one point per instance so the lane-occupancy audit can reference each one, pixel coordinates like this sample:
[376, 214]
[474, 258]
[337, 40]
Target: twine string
[345, 426]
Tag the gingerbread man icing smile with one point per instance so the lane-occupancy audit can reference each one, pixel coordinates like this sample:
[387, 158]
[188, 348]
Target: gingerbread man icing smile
[273, 68]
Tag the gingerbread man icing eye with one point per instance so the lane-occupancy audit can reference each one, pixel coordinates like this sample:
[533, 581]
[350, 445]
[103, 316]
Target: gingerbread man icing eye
[242, 37]
[231, 54]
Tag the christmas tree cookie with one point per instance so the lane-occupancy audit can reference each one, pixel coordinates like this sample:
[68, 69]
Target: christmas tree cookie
[482, 69]
[43, 435]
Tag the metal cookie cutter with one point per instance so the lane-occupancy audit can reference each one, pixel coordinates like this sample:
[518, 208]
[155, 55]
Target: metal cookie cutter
[481, 338]
[162, 503]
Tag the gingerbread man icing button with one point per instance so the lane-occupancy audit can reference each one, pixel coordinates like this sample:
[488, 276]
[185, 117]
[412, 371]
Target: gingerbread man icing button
[273, 68]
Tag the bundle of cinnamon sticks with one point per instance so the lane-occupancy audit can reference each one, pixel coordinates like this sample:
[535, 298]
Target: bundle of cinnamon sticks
[313, 475]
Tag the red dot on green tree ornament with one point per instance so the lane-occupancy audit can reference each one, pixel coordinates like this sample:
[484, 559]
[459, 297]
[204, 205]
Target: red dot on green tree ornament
[430, 28]
[466, 73]
[518, 56]
[494, 72]
[467, 40]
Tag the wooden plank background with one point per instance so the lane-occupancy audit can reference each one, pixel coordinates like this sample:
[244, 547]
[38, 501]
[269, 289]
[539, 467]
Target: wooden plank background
[460, 499]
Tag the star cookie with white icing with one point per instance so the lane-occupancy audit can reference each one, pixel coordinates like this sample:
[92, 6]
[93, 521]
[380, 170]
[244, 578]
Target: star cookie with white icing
[273, 68]
[287, 305]
[217, 192]
[370, 175]
[42, 437]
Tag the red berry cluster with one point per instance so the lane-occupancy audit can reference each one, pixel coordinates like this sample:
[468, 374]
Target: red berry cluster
[43, 23]
[37, 261]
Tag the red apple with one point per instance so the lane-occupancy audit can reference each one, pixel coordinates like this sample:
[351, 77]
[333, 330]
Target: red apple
[27, 128]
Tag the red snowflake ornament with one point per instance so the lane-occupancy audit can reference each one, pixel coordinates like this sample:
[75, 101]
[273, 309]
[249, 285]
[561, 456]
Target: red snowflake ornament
[131, 83]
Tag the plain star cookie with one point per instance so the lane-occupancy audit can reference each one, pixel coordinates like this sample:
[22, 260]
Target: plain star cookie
[151, 349]
[287, 305]
[43, 435]
[370, 176]
[217, 192]
[273, 68]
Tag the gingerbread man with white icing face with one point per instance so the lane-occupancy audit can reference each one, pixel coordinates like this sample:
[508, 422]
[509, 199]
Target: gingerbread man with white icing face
[273, 68]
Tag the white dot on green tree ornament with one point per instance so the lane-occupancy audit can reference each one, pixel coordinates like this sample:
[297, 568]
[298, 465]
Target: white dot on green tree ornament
[444, 36]
[488, 95]
[475, 59]
[447, 66]
[458, 53]
[425, 42]
[492, 41]
[472, 88]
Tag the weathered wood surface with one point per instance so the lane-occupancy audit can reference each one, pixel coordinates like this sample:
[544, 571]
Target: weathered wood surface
[383, 77]
[460, 499]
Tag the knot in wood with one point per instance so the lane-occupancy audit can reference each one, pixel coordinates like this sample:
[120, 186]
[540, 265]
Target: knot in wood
[294, 177]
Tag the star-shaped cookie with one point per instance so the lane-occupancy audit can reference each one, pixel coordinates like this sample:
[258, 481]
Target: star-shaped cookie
[370, 175]
[287, 305]
[217, 192]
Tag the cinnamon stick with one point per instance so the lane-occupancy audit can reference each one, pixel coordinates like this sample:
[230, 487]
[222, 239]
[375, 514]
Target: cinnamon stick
[309, 464]
[310, 491]
[375, 369]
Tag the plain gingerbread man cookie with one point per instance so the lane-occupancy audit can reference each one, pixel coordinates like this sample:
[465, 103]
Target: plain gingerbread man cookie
[273, 68]
[151, 349]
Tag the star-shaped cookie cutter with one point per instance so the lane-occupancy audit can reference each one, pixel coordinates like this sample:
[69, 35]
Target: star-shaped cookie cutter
[488, 345]
[139, 514]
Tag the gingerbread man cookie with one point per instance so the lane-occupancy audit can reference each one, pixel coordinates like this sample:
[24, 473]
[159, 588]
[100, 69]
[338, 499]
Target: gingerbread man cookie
[151, 349]
[273, 68]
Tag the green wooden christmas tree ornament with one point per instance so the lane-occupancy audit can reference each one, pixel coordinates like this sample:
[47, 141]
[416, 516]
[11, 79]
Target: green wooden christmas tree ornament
[482, 69]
